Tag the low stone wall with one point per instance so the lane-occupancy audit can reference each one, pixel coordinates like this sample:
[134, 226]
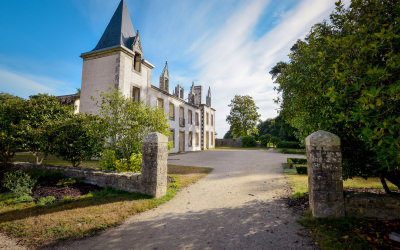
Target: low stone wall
[325, 183]
[152, 180]
[130, 182]
[228, 143]
[381, 206]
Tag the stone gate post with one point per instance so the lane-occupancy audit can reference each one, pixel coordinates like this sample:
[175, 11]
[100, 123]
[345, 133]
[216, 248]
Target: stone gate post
[325, 183]
[154, 164]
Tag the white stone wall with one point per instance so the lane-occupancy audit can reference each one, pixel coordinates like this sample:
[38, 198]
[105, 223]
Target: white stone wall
[115, 67]
[129, 77]
[98, 74]
[174, 124]
[208, 127]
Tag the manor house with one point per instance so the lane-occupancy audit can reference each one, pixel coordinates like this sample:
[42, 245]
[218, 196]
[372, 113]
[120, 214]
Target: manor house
[118, 61]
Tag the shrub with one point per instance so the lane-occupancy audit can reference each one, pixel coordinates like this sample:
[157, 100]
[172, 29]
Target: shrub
[301, 169]
[248, 141]
[108, 159]
[65, 182]
[264, 140]
[46, 200]
[19, 183]
[44, 177]
[274, 140]
[296, 161]
[133, 165]
[288, 144]
[23, 198]
[291, 151]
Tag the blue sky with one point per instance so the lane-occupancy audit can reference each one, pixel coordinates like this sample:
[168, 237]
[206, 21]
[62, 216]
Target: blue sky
[229, 45]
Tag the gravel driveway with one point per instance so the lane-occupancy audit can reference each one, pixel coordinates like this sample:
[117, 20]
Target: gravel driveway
[236, 206]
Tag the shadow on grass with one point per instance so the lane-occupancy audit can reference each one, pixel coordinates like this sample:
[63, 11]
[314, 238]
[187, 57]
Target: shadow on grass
[95, 198]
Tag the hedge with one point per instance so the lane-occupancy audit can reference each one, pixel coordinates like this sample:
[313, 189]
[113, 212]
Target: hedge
[296, 161]
[288, 144]
[248, 141]
[301, 169]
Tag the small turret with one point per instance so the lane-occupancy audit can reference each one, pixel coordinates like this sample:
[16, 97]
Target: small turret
[164, 78]
[208, 97]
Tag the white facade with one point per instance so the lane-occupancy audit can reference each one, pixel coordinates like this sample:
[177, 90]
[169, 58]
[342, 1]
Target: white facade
[122, 66]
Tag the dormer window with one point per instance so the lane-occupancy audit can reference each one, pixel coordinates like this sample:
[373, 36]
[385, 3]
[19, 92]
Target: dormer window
[137, 62]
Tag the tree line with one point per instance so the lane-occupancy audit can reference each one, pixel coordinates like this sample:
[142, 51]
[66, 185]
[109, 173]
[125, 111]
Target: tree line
[344, 77]
[41, 126]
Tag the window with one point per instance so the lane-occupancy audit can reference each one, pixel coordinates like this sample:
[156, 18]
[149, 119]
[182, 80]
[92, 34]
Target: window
[212, 120]
[137, 62]
[189, 117]
[135, 94]
[172, 138]
[160, 103]
[212, 138]
[171, 111]
[197, 139]
[190, 139]
[181, 117]
[197, 119]
[207, 118]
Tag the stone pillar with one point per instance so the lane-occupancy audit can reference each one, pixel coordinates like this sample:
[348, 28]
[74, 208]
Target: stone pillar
[154, 164]
[325, 183]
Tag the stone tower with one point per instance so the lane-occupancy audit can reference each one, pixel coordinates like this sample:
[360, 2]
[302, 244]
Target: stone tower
[197, 95]
[116, 62]
[164, 78]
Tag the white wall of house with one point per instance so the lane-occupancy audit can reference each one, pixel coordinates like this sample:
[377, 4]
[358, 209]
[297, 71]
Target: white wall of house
[99, 73]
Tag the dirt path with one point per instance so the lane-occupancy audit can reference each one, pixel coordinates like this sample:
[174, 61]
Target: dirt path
[236, 206]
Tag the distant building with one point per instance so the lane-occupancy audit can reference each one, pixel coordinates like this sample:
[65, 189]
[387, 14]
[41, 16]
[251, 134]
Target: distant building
[118, 61]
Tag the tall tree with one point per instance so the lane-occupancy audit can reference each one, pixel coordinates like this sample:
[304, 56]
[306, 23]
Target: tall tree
[42, 112]
[126, 122]
[12, 113]
[243, 116]
[345, 78]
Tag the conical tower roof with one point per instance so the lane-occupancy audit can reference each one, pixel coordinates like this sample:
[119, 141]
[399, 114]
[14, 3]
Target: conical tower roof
[119, 30]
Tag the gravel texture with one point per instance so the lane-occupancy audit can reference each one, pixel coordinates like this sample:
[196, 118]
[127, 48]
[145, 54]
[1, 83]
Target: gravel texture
[238, 205]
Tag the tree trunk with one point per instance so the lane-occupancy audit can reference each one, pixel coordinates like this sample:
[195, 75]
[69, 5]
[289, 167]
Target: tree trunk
[385, 186]
[393, 177]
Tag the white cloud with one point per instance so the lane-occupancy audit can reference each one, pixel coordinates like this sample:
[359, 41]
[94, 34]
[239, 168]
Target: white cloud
[24, 85]
[234, 62]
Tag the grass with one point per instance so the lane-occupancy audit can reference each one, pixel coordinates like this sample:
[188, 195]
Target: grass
[347, 232]
[299, 183]
[53, 160]
[37, 226]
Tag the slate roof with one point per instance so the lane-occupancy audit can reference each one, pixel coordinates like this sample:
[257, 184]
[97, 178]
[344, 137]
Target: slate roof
[119, 30]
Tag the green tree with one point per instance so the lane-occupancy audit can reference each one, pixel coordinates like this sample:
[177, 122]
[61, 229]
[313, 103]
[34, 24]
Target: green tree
[126, 123]
[265, 139]
[42, 111]
[277, 127]
[243, 116]
[345, 78]
[228, 134]
[78, 138]
[12, 113]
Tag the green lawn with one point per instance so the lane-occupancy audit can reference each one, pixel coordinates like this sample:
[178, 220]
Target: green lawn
[299, 183]
[347, 232]
[53, 160]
